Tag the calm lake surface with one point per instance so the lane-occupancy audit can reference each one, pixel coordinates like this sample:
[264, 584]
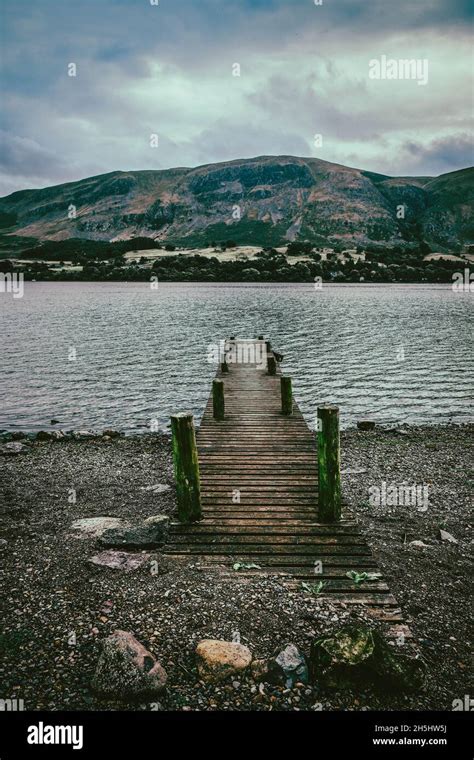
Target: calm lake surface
[396, 354]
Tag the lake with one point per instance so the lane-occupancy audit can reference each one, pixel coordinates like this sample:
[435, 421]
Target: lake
[122, 355]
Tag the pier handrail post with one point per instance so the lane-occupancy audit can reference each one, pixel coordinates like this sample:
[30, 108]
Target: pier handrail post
[329, 464]
[218, 403]
[286, 395]
[271, 365]
[186, 467]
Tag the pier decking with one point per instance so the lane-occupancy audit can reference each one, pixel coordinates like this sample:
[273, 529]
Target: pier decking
[259, 495]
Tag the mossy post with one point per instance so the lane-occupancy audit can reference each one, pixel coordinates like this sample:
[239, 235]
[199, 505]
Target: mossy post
[271, 365]
[218, 404]
[186, 467]
[286, 395]
[329, 459]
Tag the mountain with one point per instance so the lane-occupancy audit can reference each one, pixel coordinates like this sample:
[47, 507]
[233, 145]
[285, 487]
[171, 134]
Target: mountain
[278, 198]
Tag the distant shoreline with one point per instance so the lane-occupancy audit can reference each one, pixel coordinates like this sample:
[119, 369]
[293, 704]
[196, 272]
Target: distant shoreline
[140, 260]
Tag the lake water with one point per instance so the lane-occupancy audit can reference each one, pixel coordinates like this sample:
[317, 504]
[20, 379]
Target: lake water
[396, 354]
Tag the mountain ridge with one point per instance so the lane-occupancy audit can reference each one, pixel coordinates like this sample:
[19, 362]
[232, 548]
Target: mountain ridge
[265, 200]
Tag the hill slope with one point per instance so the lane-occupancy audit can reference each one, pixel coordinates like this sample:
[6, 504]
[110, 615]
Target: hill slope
[263, 201]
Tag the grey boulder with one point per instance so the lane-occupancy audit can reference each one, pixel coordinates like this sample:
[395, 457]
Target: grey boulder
[126, 670]
[288, 667]
[151, 532]
[12, 449]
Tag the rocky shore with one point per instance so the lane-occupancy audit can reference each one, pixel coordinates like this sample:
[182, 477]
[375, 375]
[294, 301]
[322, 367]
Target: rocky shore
[69, 585]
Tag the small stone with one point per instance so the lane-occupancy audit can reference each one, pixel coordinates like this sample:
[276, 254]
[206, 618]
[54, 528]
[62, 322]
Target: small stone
[54, 422]
[127, 670]
[216, 660]
[419, 544]
[3, 544]
[111, 433]
[366, 425]
[116, 560]
[259, 669]
[157, 488]
[288, 667]
[83, 435]
[445, 536]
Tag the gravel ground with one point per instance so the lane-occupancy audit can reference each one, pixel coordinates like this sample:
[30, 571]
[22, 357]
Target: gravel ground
[57, 607]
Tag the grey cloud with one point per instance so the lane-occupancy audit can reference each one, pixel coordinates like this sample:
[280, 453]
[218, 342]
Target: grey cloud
[441, 155]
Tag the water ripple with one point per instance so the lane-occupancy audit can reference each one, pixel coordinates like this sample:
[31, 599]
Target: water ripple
[393, 353]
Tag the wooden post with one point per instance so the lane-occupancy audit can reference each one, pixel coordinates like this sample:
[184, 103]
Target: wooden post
[186, 467]
[286, 395]
[224, 366]
[271, 365]
[329, 464]
[260, 337]
[218, 399]
[268, 345]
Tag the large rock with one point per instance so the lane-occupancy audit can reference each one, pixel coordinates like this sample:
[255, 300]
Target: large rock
[13, 449]
[404, 672]
[336, 661]
[217, 660]
[127, 670]
[44, 435]
[58, 435]
[357, 654]
[288, 667]
[116, 560]
[93, 527]
[151, 532]
[366, 425]
[84, 435]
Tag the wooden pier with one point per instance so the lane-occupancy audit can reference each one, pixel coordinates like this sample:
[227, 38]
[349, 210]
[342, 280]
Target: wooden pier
[260, 498]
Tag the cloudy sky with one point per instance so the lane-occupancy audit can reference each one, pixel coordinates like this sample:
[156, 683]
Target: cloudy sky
[169, 69]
